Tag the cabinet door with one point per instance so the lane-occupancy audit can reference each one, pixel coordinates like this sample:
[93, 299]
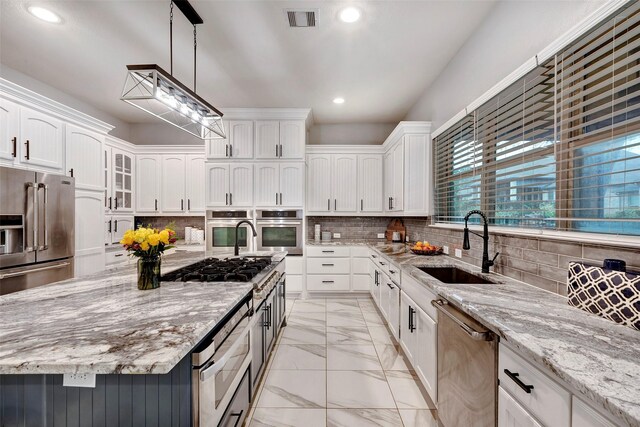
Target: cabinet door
[345, 183]
[426, 352]
[388, 180]
[408, 330]
[219, 148]
[173, 183]
[319, 183]
[107, 176]
[267, 139]
[241, 185]
[511, 414]
[84, 151]
[122, 186]
[195, 183]
[120, 225]
[397, 204]
[292, 184]
[241, 133]
[384, 281]
[42, 140]
[370, 176]
[394, 310]
[292, 139]
[148, 183]
[217, 184]
[582, 415]
[267, 185]
[416, 170]
[10, 140]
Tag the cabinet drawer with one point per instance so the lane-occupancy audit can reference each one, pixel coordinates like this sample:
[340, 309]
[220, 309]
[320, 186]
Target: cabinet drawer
[394, 272]
[327, 251]
[327, 283]
[328, 265]
[547, 401]
[379, 260]
[420, 295]
[360, 265]
[115, 257]
[294, 283]
[360, 251]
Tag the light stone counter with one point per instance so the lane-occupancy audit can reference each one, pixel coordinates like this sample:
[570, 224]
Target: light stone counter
[598, 358]
[103, 324]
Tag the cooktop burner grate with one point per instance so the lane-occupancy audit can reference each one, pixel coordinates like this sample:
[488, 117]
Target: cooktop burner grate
[216, 270]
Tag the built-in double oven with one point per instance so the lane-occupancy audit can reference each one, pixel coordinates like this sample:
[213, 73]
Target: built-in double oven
[221, 231]
[280, 230]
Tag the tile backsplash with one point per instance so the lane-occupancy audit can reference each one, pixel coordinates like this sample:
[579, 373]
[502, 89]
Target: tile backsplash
[537, 261]
[180, 222]
[541, 262]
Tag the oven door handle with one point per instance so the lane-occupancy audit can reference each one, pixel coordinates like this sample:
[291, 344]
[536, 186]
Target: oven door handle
[217, 366]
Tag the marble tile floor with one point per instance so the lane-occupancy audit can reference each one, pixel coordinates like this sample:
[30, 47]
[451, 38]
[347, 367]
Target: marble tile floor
[335, 365]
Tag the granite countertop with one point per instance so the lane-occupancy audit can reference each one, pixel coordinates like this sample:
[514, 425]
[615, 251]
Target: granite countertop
[598, 358]
[345, 242]
[102, 324]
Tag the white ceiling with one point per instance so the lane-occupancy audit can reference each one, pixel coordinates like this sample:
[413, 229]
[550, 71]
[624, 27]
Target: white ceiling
[247, 54]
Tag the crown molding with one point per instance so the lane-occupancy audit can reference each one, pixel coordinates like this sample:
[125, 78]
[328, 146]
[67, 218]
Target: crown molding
[344, 149]
[169, 149]
[35, 101]
[406, 128]
[121, 144]
[269, 114]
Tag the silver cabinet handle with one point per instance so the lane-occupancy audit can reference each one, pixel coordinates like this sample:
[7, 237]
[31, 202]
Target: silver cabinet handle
[45, 188]
[33, 270]
[475, 335]
[34, 225]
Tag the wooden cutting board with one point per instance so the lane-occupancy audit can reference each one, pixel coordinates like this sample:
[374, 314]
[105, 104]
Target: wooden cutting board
[396, 224]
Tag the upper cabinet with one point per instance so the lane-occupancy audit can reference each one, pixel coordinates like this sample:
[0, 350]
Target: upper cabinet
[239, 142]
[370, 177]
[345, 183]
[229, 185]
[30, 139]
[394, 178]
[280, 139]
[174, 181]
[319, 191]
[148, 182]
[195, 183]
[279, 184]
[84, 151]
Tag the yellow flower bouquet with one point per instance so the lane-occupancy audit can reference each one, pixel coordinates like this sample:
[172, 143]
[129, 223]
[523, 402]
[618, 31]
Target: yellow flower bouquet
[148, 244]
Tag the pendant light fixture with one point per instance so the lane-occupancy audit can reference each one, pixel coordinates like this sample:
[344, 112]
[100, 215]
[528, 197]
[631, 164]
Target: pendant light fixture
[157, 92]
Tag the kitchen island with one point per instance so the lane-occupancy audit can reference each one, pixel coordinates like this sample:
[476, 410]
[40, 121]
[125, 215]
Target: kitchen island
[102, 324]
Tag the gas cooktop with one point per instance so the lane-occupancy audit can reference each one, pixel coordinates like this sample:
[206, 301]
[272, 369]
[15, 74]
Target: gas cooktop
[219, 270]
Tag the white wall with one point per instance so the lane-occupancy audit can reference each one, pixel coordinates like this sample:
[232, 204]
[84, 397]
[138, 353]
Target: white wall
[121, 129]
[160, 134]
[350, 133]
[513, 32]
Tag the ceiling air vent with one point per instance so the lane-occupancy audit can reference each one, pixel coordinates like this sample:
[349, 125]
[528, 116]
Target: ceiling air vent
[302, 18]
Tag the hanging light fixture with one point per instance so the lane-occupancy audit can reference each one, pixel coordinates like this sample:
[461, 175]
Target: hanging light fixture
[157, 92]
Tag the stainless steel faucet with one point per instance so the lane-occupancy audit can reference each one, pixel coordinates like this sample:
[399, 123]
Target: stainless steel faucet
[486, 262]
[236, 249]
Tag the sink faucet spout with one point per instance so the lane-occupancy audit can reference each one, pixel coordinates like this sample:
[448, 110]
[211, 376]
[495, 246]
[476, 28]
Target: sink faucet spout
[486, 262]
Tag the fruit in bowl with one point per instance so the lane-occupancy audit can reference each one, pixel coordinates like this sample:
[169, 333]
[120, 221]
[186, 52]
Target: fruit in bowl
[425, 248]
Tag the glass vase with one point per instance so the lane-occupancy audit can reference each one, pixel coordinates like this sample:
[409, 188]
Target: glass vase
[148, 273]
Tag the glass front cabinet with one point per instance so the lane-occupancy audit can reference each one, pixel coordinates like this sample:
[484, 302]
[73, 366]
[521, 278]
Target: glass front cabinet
[118, 180]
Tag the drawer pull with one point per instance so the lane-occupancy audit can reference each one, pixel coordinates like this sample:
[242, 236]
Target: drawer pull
[514, 376]
[382, 263]
[392, 271]
[328, 252]
[328, 281]
[374, 256]
[327, 265]
[390, 286]
[117, 255]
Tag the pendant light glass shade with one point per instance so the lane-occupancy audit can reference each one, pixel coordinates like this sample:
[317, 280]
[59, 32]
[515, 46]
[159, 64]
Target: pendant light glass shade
[157, 92]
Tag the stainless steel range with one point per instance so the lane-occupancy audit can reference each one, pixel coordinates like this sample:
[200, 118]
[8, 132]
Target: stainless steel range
[227, 364]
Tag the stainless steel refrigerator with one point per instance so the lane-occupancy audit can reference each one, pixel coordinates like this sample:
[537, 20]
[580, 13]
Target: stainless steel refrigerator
[37, 219]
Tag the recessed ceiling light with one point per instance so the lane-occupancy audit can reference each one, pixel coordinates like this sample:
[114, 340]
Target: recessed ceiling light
[338, 100]
[349, 14]
[44, 14]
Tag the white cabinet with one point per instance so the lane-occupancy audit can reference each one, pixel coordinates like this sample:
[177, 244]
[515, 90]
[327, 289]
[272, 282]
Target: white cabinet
[84, 151]
[239, 142]
[370, 177]
[511, 414]
[417, 170]
[319, 182]
[582, 415]
[408, 333]
[229, 185]
[89, 240]
[279, 184]
[148, 182]
[394, 178]
[115, 226]
[9, 132]
[344, 182]
[174, 181]
[123, 172]
[426, 351]
[280, 139]
[195, 184]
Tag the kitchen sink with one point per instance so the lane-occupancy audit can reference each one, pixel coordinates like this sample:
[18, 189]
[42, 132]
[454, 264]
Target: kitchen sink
[454, 275]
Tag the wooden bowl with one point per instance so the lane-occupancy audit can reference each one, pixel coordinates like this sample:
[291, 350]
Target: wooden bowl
[436, 251]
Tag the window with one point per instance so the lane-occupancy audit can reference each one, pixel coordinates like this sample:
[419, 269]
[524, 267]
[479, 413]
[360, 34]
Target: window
[558, 149]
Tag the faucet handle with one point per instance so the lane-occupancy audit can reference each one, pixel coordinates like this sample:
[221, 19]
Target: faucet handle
[494, 258]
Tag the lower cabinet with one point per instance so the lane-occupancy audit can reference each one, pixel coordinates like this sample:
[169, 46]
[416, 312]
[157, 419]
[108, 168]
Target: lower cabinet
[389, 303]
[337, 269]
[239, 406]
[89, 247]
[511, 414]
[582, 415]
[115, 226]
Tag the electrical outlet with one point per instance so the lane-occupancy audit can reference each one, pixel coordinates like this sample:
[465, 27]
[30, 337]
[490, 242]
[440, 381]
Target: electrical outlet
[336, 235]
[459, 253]
[445, 249]
[380, 235]
[79, 380]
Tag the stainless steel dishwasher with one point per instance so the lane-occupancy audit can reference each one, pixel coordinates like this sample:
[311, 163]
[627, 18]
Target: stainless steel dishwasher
[467, 370]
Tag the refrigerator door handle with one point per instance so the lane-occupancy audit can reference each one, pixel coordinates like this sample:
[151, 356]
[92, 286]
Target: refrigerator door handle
[44, 217]
[33, 270]
[34, 226]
